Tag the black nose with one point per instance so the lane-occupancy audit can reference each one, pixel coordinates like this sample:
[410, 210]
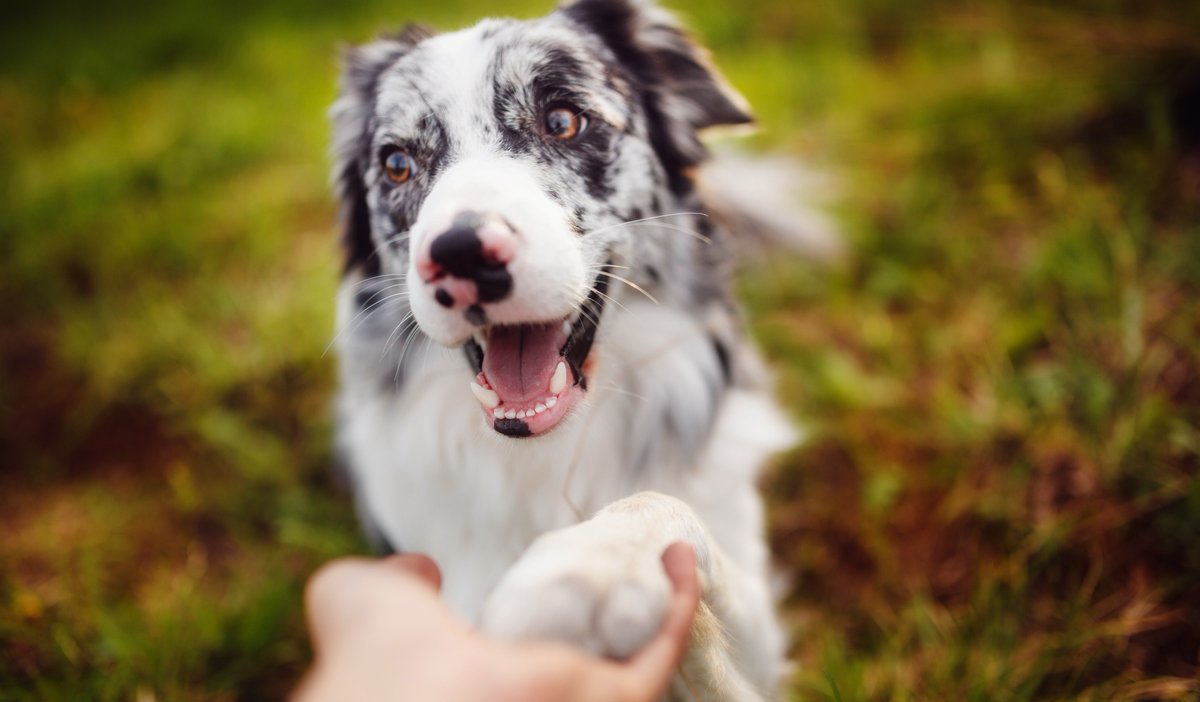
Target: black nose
[459, 252]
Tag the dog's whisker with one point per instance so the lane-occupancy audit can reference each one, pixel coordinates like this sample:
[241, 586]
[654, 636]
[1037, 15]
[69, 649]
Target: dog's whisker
[596, 269]
[411, 325]
[569, 290]
[360, 318]
[682, 230]
[394, 335]
[631, 284]
[610, 298]
[389, 291]
[403, 330]
[613, 387]
[382, 276]
[374, 306]
[379, 248]
[647, 219]
[591, 317]
[375, 278]
[424, 358]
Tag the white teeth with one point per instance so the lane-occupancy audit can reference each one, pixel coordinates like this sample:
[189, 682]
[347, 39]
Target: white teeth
[559, 380]
[537, 409]
[567, 328]
[487, 397]
[525, 413]
[481, 340]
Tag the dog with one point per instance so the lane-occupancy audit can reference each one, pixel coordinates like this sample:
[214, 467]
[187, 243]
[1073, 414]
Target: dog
[544, 379]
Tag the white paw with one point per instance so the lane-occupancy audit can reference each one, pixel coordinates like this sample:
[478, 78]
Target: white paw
[604, 592]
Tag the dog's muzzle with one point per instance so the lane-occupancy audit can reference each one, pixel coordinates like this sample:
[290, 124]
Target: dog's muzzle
[531, 369]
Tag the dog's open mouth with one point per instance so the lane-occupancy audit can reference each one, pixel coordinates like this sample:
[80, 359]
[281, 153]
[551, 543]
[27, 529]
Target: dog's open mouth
[530, 376]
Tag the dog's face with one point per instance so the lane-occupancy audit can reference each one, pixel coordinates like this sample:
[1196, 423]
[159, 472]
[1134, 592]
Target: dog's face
[491, 169]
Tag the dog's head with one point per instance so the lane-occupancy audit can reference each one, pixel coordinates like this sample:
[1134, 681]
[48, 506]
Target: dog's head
[492, 168]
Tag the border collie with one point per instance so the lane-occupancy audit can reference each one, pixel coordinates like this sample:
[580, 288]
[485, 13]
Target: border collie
[544, 379]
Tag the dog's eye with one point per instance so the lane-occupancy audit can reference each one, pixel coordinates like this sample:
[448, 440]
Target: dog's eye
[398, 165]
[564, 123]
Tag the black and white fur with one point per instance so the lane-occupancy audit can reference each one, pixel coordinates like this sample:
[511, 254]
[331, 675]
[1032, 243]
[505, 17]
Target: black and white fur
[558, 535]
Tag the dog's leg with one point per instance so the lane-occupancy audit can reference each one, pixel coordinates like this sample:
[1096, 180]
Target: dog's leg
[601, 585]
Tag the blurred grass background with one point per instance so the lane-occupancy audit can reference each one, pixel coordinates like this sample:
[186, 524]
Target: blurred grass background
[1001, 380]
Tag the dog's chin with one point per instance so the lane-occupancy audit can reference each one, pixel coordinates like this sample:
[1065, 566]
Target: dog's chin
[530, 376]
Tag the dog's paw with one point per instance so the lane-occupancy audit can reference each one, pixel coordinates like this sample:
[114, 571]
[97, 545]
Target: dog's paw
[606, 593]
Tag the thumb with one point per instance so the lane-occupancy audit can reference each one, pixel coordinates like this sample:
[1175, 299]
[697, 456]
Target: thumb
[418, 564]
[653, 666]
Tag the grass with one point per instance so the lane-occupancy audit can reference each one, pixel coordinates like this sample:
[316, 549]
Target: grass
[998, 498]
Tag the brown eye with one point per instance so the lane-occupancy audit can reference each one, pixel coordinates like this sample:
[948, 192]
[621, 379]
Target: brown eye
[564, 123]
[398, 165]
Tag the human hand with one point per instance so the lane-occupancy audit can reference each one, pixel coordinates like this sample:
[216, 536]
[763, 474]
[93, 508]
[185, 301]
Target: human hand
[380, 631]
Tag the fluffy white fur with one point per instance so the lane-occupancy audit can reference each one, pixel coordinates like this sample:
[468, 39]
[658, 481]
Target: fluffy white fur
[440, 482]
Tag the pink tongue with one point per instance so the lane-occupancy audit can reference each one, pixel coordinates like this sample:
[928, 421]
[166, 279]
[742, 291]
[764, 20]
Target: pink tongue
[519, 360]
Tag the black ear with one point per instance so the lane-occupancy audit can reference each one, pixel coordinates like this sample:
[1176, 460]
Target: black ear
[351, 115]
[683, 88]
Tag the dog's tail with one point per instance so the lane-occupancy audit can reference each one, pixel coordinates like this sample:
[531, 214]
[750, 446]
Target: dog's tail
[769, 203]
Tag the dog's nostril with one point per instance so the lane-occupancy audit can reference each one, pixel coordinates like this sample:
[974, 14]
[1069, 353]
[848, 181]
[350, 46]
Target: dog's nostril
[493, 284]
[459, 252]
[474, 252]
[443, 298]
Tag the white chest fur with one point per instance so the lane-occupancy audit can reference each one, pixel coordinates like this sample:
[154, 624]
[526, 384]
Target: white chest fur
[435, 479]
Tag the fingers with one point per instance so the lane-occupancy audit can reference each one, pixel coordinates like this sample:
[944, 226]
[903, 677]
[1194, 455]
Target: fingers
[349, 596]
[329, 599]
[651, 669]
[377, 625]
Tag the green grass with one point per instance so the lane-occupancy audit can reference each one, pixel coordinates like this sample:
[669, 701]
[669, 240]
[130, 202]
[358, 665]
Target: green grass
[998, 498]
